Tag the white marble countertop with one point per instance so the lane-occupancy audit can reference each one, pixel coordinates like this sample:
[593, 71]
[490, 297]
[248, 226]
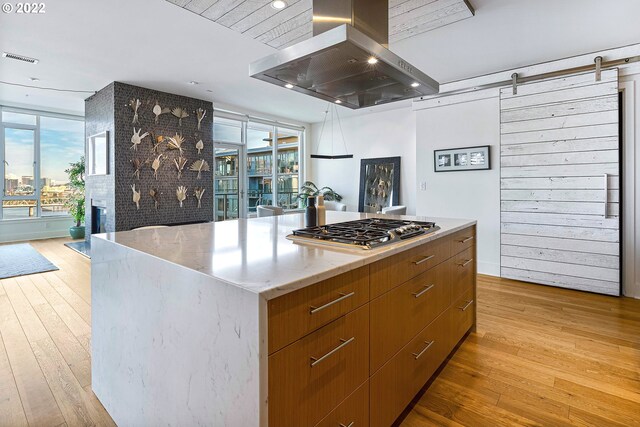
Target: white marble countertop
[255, 254]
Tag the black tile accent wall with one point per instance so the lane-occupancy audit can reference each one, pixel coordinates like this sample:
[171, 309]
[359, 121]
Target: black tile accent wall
[116, 188]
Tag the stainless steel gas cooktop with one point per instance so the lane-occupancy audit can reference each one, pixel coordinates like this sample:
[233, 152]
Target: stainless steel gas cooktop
[365, 234]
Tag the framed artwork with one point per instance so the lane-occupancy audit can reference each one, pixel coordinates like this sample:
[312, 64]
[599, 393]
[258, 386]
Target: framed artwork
[98, 154]
[379, 184]
[462, 159]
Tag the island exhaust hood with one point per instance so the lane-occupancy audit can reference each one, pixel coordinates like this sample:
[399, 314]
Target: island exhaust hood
[346, 61]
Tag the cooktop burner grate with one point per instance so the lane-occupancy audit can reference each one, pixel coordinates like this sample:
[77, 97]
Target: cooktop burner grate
[364, 233]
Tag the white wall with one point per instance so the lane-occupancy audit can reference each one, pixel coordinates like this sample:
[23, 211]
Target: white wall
[382, 134]
[469, 194]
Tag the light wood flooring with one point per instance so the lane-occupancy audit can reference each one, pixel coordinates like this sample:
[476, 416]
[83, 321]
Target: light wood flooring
[541, 356]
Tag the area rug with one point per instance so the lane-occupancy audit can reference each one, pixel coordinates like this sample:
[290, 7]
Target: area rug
[22, 259]
[83, 248]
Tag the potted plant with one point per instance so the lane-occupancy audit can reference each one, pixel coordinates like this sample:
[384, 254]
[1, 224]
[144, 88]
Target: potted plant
[310, 189]
[76, 201]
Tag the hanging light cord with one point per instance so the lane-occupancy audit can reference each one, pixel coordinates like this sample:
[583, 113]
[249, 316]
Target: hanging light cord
[48, 88]
[324, 122]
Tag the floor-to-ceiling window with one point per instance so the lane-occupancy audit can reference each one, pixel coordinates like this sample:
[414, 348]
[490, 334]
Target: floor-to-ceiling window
[35, 150]
[257, 163]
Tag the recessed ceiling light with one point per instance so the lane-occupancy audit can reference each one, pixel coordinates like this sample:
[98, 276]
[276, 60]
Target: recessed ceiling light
[34, 79]
[338, 101]
[278, 4]
[415, 84]
[193, 82]
[289, 86]
[372, 60]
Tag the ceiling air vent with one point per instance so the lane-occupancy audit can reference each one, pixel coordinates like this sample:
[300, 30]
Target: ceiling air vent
[19, 57]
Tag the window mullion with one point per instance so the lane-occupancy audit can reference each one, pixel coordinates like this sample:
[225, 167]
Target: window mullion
[36, 171]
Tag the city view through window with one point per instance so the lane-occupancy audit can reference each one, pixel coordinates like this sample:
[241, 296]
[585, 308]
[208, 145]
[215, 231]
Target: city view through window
[36, 151]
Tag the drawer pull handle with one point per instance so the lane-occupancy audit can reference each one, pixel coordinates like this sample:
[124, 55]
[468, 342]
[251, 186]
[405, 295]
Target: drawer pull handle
[351, 424]
[343, 297]
[464, 264]
[429, 344]
[315, 361]
[465, 240]
[425, 259]
[422, 292]
[466, 305]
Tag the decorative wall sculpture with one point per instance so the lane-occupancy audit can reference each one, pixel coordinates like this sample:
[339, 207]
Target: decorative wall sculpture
[199, 166]
[180, 113]
[154, 173]
[158, 110]
[136, 196]
[136, 138]
[181, 194]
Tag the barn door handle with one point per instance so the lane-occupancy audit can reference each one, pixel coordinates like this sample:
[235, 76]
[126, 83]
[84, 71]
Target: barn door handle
[606, 194]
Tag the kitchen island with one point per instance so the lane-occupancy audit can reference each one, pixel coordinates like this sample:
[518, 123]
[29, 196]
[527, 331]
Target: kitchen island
[232, 324]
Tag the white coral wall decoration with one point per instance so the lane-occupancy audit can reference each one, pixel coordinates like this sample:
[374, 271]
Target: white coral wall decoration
[156, 165]
[198, 192]
[158, 110]
[199, 166]
[180, 113]
[180, 162]
[181, 194]
[200, 114]
[175, 143]
[136, 196]
[134, 104]
[136, 138]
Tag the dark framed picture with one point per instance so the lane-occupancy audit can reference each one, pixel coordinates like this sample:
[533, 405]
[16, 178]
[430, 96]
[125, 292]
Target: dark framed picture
[379, 184]
[462, 159]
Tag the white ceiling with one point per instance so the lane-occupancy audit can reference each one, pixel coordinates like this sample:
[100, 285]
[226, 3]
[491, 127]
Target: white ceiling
[87, 44]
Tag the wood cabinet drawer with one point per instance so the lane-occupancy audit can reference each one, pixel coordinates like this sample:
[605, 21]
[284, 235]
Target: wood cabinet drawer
[398, 381]
[463, 239]
[310, 377]
[294, 315]
[398, 315]
[461, 315]
[392, 271]
[463, 272]
[353, 411]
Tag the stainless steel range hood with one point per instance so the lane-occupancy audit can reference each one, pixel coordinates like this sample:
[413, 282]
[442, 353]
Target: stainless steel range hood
[345, 61]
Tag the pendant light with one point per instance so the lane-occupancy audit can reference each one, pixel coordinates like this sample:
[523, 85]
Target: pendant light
[334, 112]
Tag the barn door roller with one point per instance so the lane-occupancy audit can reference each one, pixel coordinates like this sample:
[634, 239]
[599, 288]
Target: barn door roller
[598, 62]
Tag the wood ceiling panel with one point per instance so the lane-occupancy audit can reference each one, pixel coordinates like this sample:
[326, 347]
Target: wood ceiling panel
[282, 28]
[414, 17]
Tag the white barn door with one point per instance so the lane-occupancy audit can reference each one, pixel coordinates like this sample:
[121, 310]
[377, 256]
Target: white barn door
[560, 182]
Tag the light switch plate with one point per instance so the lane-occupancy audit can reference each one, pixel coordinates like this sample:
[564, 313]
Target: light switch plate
[423, 185]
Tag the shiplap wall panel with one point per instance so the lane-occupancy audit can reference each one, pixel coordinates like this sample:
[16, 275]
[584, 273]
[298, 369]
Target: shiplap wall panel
[586, 246]
[606, 103]
[582, 132]
[568, 158]
[560, 122]
[561, 281]
[575, 208]
[561, 195]
[595, 169]
[564, 256]
[572, 94]
[561, 146]
[559, 216]
[589, 221]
